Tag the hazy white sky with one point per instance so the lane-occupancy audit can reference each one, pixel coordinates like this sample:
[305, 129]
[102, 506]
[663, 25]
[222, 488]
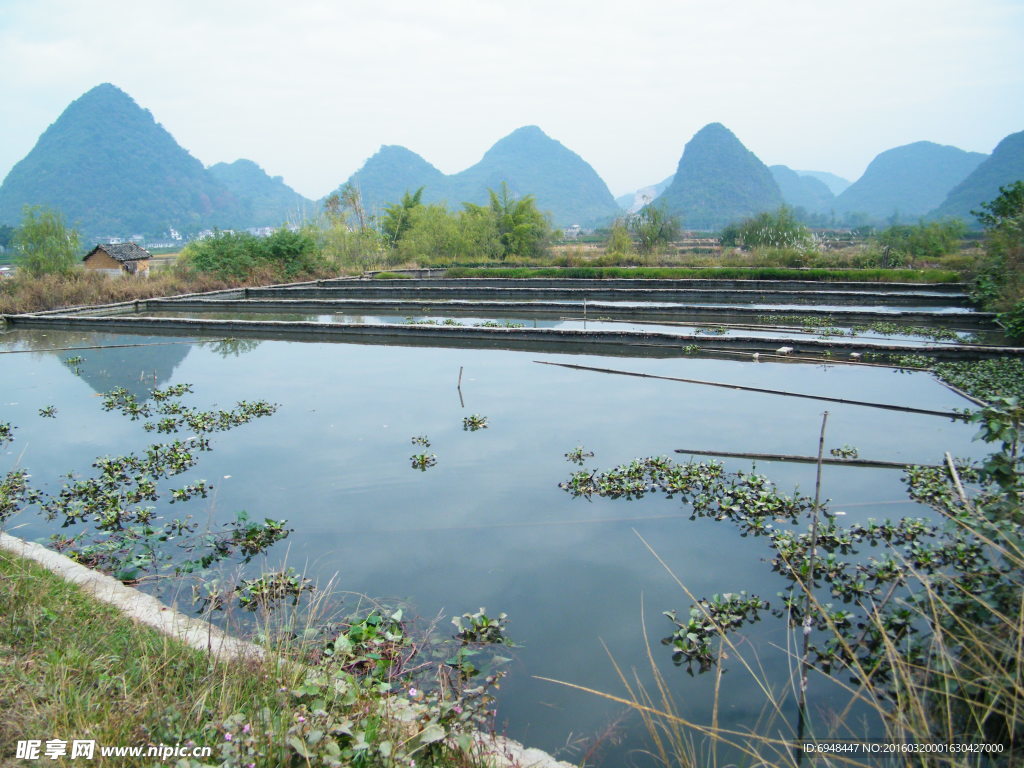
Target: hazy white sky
[311, 88]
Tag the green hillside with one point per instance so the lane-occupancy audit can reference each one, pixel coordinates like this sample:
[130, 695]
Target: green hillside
[1004, 166]
[112, 169]
[719, 181]
[264, 201]
[392, 171]
[532, 163]
[806, 192]
[907, 182]
[529, 161]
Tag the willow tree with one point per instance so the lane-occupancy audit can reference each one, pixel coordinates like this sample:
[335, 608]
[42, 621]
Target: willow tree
[44, 244]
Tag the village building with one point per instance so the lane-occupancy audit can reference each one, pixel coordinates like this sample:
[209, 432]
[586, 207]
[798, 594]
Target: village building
[118, 259]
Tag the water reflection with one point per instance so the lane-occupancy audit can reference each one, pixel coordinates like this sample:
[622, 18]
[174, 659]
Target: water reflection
[232, 347]
[105, 361]
[488, 526]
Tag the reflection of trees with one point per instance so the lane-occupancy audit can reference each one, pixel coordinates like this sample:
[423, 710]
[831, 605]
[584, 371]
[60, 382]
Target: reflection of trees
[232, 347]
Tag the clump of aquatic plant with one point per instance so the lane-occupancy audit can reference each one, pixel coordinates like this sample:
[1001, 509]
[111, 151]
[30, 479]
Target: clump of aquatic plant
[926, 627]
[423, 461]
[171, 414]
[6, 433]
[714, 330]
[832, 331]
[115, 507]
[1002, 377]
[691, 349]
[578, 455]
[265, 591]
[496, 324]
[49, 412]
[430, 321]
[693, 639]
[15, 493]
[474, 422]
[74, 363]
[336, 715]
[845, 452]
[421, 440]
[895, 329]
[983, 379]
[480, 628]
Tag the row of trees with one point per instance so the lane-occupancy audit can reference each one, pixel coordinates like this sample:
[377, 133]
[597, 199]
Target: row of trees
[507, 226]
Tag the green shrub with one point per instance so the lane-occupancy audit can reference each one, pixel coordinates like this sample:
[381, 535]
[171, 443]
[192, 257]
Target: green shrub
[933, 239]
[1013, 321]
[779, 229]
[238, 255]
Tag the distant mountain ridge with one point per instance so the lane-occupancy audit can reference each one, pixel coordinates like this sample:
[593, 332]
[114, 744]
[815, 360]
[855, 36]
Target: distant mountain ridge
[803, 191]
[262, 200]
[1004, 166]
[634, 201]
[719, 181]
[836, 184]
[113, 170]
[528, 160]
[110, 167]
[905, 183]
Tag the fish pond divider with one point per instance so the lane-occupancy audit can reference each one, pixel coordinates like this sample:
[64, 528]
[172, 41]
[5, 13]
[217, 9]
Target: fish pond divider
[331, 297]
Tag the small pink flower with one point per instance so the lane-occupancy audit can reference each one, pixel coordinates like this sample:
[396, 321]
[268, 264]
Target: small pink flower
[227, 737]
[413, 692]
[458, 709]
[246, 728]
[301, 719]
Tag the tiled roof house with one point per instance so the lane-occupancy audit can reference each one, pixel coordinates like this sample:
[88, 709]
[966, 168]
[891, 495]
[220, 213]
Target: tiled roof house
[117, 258]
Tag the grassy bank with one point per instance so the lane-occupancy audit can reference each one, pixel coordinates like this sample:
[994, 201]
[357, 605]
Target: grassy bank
[716, 273]
[25, 293]
[72, 668]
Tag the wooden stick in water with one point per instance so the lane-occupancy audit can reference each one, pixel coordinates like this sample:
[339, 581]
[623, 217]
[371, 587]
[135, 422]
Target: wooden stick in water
[796, 459]
[886, 406]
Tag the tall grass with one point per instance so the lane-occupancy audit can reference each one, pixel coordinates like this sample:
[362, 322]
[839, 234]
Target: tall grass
[965, 695]
[72, 668]
[24, 293]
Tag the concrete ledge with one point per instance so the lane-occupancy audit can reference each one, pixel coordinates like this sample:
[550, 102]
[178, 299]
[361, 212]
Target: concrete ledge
[399, 289]
[632, 343]
[430, 280]
[139, 606]
[964, 320]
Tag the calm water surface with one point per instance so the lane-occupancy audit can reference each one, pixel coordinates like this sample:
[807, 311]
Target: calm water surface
[488, 526]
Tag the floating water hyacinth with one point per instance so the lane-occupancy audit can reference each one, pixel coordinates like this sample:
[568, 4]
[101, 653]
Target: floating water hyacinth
[474, 422]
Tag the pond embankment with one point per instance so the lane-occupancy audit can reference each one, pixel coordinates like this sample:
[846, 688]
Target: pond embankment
[334, 310]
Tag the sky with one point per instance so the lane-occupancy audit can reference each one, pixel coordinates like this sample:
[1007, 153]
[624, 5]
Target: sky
[310, 89]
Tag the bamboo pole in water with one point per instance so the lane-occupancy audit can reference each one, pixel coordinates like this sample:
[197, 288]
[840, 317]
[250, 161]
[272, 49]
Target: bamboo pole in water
[796, 459]
[844, 401]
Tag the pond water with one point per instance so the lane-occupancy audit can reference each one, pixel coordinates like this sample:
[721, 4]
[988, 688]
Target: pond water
[488, 525]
